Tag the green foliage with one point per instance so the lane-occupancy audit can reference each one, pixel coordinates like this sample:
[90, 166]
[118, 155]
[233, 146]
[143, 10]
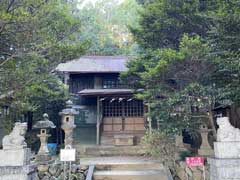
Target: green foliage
[178, 84]
[35, 36]
[160, 146]
[184, 154]
[191, 60]
[105, 25]
[163, 23]
[224, 37]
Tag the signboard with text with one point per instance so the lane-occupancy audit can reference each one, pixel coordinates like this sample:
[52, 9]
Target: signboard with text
[68, 155]
[194, 161]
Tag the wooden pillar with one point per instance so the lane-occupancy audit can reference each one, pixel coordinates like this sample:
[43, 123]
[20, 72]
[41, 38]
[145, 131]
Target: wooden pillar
[98, 121]
[66, 78]
[97, 82]
[123, 115]
[149, 119]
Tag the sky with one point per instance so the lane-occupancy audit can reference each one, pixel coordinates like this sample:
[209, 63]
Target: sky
[93, 1]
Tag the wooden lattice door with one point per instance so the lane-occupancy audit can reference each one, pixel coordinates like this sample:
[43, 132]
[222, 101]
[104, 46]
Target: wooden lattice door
[123, 116]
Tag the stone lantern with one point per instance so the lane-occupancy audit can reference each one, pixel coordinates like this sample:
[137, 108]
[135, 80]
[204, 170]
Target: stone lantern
[205, 148]
[68, 122]
[43, 153]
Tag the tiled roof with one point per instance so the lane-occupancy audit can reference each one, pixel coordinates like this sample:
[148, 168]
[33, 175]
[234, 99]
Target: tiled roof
[99, 64]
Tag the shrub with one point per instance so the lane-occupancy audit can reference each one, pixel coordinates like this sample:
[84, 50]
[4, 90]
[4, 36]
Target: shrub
[160, 146]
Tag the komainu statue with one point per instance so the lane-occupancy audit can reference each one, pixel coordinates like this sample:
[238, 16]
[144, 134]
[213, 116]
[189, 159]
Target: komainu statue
[16, 139]
[226, 132]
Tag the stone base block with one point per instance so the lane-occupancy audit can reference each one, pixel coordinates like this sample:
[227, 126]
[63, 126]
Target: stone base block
[15, 157]
[18, 172]
[206, 152]
[123, 140]
[224, 169]
[227, 149]
[43, 158]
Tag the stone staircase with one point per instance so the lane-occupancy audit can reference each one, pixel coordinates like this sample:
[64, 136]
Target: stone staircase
[127, 168]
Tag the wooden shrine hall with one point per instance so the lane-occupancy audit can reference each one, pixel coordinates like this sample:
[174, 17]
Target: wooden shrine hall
[109, 114]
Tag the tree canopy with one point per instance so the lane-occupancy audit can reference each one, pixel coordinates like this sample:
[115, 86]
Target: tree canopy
[35, 36]
[105, 24]
[163, 23]
[191, 60]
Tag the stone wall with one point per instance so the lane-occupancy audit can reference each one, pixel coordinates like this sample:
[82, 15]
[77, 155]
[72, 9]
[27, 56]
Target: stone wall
[190, 173]
[56, 172]
[18, 172]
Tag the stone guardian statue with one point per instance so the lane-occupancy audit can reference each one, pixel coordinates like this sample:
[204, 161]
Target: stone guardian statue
[16, 139]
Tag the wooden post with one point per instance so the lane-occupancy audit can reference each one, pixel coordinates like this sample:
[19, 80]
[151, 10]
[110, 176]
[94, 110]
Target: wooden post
[123, 116]
[66, 78]
[98, 121]
[66, 81]
[149, 119]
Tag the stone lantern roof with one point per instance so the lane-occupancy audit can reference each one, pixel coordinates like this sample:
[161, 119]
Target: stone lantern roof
[69, 110]
[45, 123]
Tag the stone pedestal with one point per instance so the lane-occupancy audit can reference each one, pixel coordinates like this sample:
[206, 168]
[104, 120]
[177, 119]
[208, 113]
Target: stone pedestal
[27, 172]
[15, 165]
[226, 164]
[227, 149]
[15, 157]
[224, 169]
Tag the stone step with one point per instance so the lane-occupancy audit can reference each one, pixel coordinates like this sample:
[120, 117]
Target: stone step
[111, 150]
[126, 168]
[130, 166]
[130, 175]
[107, 140]
[122, 163]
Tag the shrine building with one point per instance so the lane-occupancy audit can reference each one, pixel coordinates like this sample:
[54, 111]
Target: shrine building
[107, 108]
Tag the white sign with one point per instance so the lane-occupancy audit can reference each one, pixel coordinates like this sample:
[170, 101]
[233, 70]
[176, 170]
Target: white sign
[68, 155]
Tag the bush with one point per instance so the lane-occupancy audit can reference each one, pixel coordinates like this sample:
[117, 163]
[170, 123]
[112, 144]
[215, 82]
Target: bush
[160, 146]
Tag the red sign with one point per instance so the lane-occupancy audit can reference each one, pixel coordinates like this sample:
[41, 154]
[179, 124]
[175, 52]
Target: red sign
[194, 161]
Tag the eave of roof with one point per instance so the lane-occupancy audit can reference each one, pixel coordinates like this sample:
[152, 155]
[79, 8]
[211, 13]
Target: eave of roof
[95, 64]
[100, 92]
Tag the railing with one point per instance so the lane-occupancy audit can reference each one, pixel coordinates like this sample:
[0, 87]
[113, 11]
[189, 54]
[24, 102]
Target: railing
[90, 172]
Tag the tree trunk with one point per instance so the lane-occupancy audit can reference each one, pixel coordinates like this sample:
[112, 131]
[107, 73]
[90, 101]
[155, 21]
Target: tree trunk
[211, 120]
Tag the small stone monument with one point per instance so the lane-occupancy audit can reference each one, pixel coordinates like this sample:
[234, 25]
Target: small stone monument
[226, 164]
[43, 156]
[15, 156]
[205, 148]
[68, 122]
